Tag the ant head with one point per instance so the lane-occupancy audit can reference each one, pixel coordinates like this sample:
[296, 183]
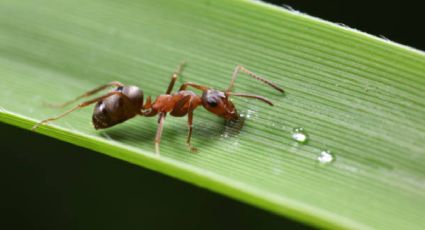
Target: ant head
[218, 102]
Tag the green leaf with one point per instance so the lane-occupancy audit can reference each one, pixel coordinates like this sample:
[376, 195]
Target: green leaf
[359, 96]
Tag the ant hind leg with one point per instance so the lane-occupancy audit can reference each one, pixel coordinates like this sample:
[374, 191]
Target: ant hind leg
[81, 105]
[87, 94]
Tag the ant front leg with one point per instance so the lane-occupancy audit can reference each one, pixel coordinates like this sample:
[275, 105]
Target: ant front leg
[88, 93]
[84, 104]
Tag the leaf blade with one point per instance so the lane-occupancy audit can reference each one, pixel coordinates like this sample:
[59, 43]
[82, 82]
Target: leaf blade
[342, 86]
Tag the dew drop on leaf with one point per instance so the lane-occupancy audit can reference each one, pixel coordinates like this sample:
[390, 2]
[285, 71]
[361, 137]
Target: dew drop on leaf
[299, 135]
[326, 157]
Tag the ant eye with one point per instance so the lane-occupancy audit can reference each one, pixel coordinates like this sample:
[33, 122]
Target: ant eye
[212, 98]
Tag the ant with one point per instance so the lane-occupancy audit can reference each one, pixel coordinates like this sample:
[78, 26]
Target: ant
[125, 102]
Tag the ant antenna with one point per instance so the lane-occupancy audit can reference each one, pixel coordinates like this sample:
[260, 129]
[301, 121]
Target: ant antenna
[241, 68]
[261, 98]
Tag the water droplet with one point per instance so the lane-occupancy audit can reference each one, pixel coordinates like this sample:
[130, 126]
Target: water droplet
[299, 135]
[326, 157]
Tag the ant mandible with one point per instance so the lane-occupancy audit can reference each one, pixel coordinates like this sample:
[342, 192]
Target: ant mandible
[125, 102]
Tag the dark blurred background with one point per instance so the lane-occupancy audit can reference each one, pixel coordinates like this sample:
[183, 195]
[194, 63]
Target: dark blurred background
[399, 21]
[55, 185]
[50, 184]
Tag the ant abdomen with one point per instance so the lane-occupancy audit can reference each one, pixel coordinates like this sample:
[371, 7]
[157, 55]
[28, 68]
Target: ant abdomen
[117, 108]
[133, 93]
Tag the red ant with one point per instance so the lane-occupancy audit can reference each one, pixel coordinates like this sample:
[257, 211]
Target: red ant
[125, 102]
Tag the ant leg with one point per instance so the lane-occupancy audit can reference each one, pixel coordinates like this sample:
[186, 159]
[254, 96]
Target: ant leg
[174, 77]
[191, 84]
[88, 93]
[162, 115]
[84, 104]
[241, 68]
[189, 122]
[159, 132]
[261, 98]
